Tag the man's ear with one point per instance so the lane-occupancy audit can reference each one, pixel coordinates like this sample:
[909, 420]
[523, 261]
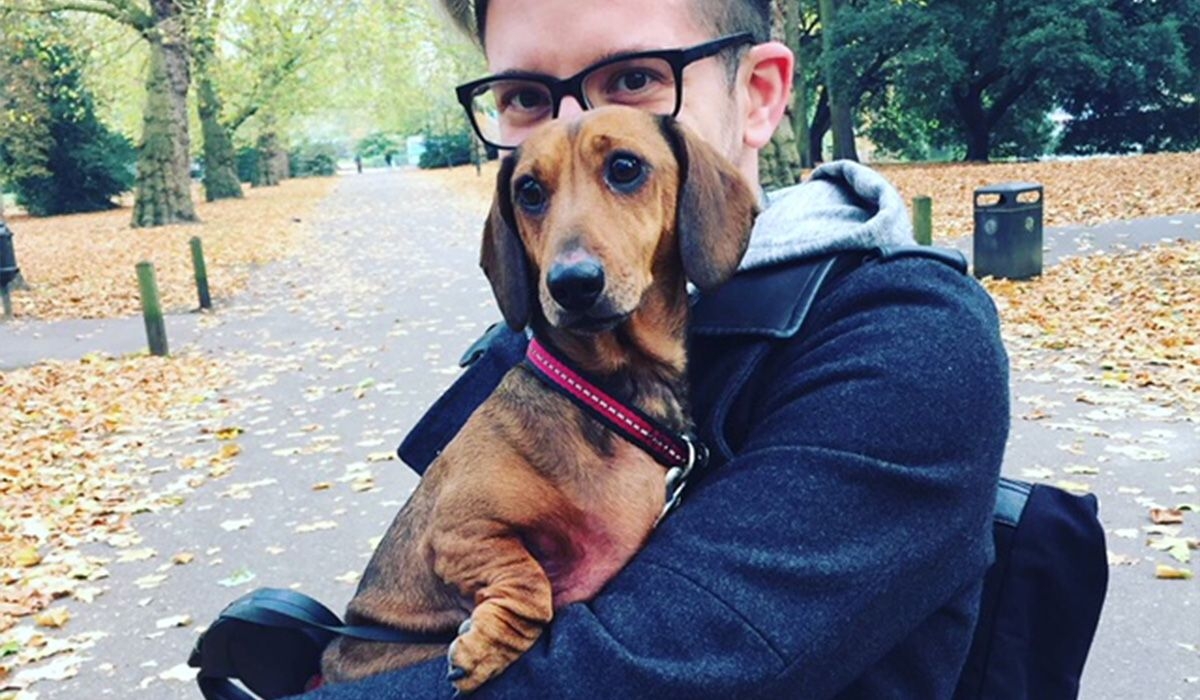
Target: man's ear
[715, 210]
[767, 76]
[503, 256]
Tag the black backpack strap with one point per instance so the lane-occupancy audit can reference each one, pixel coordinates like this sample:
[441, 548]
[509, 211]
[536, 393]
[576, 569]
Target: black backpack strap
[271, 640]
[949, 256]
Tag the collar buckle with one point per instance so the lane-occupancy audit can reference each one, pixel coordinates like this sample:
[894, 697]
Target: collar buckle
[677, 477]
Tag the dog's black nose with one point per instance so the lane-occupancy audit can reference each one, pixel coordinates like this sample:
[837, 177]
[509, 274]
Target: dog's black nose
[576, 286]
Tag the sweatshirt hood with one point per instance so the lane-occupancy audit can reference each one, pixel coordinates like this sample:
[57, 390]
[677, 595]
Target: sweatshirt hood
[843, 206]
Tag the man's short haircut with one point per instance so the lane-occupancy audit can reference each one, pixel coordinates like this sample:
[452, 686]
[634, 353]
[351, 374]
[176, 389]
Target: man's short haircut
[719, 17]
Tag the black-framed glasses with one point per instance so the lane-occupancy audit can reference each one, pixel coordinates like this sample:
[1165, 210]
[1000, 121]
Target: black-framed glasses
[504, 108]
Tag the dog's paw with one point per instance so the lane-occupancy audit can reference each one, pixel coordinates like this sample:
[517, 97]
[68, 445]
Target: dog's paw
[480, 653]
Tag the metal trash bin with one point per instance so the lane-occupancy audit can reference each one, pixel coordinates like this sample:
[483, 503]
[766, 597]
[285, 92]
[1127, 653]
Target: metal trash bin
[8, 257]
[1008, 230]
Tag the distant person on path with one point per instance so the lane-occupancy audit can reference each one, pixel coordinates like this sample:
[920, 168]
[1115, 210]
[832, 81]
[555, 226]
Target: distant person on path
[358, 162]
[836, 544]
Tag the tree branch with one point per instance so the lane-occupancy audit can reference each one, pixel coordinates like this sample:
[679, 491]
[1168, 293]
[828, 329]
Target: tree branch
[117, 10]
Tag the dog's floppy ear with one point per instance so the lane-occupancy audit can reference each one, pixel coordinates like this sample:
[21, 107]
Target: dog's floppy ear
[503, 256]
[716, 208]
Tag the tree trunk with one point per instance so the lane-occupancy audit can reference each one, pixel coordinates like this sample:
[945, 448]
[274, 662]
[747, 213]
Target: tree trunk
[272, 161]
[163, 195]
[820, 126]
[841, 116]
[781, 160]
[799, 109]
[978, 146]
[220, 160]
[975, 123]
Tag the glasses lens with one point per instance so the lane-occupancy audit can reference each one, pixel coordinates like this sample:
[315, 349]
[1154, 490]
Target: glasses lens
[645, 83]
[506, 110]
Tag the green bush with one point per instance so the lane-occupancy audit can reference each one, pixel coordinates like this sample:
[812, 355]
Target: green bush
[78, 164]
[313, 160]
[447, 150]
[247, 163]
[378, 146]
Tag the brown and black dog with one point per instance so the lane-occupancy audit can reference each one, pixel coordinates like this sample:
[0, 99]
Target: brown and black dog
[597, 226]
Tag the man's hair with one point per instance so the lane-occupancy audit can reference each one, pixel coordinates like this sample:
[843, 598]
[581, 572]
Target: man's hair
[720, 17]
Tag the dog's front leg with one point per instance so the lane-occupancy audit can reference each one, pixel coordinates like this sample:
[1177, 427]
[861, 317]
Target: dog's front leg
[487, 563]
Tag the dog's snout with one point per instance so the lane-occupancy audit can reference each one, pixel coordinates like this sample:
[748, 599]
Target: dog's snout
[576, 285]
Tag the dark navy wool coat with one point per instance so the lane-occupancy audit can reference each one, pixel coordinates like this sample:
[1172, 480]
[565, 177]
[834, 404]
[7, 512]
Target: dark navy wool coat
[836, 545]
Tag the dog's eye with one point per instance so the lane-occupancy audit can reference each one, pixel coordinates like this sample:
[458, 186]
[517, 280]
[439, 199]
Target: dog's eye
[625, 172]
[531, 195]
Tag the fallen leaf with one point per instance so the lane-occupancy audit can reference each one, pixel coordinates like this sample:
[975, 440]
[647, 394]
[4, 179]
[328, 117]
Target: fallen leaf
[1162, 571]
[151, 581]
[173, 621]
[238, 578]
[179, 672]
[313, 527]
[234, 525]
[27, 557]
[1166, 516]
[1121, 560]
[1178, 547]
[1037, 473]
[132, 555]
[54, 618]
[229, 433]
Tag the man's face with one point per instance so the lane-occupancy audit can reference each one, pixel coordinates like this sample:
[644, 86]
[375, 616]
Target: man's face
[562, 37]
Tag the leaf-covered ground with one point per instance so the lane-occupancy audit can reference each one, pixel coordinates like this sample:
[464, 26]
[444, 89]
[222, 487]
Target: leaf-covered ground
[1131, 319]
[82, 266]
[1082, 192]
[74, 441]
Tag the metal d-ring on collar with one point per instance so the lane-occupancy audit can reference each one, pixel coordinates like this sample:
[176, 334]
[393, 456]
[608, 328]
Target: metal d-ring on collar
[679, 453]
[677, 477]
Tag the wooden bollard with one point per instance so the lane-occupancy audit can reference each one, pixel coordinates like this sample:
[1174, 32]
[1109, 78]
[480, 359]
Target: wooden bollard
[6, 298]
[201, 273]
[923, 220]
[156, 331]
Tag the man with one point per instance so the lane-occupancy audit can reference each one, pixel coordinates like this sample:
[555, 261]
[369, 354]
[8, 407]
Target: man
[835, 547]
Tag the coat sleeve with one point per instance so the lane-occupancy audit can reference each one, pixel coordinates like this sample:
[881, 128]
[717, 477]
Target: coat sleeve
[856, 508]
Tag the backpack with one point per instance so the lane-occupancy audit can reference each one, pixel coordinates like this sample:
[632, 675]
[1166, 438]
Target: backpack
[1040, 605]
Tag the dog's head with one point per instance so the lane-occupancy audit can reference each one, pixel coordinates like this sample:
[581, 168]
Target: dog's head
[590, 215]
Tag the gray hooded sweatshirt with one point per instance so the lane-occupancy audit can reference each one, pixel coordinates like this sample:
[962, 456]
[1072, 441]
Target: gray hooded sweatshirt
[843, 206]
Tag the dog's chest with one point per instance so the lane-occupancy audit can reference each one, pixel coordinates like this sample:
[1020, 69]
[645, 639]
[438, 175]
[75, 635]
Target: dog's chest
[614, 514]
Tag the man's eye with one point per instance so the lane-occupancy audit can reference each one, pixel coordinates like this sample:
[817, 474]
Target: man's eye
[633, 81]
[531, 196]
[526, 100]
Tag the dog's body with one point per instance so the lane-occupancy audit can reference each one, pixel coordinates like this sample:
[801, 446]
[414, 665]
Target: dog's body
[597, 226]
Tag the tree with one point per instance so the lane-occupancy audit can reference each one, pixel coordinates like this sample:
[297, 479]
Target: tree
[60, 158]
[1149, 96]
[163, 190]
[220, 159]
[840, 105]
[266, 47]
[985, 66]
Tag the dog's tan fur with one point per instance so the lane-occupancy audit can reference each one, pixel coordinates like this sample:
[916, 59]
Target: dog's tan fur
[534, 505]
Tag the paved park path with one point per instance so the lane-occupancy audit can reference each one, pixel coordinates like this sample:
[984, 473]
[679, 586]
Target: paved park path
[337, 353]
